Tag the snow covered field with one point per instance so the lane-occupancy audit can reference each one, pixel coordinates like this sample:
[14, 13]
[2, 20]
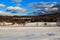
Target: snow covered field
[34, 24]
[29, 33]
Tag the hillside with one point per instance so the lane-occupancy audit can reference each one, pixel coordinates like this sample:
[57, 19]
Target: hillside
[22, 19]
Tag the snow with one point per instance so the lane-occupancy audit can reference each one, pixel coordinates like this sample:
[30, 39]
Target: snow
[29, 33]
[34, 24]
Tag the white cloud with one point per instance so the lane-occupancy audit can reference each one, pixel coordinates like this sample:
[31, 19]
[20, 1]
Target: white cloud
[43, 3]
[55, 9]
[17, 0]
[1, 12]
[37, 4]
[16, 8]
[2, 5]
[10, 8]
[6, 14]
[52, 5]
[48, 6]
[51, 9]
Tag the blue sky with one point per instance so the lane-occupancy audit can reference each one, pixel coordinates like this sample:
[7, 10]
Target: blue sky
[22, 3]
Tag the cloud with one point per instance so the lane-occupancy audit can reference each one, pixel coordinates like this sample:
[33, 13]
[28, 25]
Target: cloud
[16, 8]
[52, 5]
[10, 8]
[39, 4]
[43, 3]
[17, 0]
[45, 7]
[6, 14]
[2, 13]
[51, 9]
[2, 5]
[54, 9]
